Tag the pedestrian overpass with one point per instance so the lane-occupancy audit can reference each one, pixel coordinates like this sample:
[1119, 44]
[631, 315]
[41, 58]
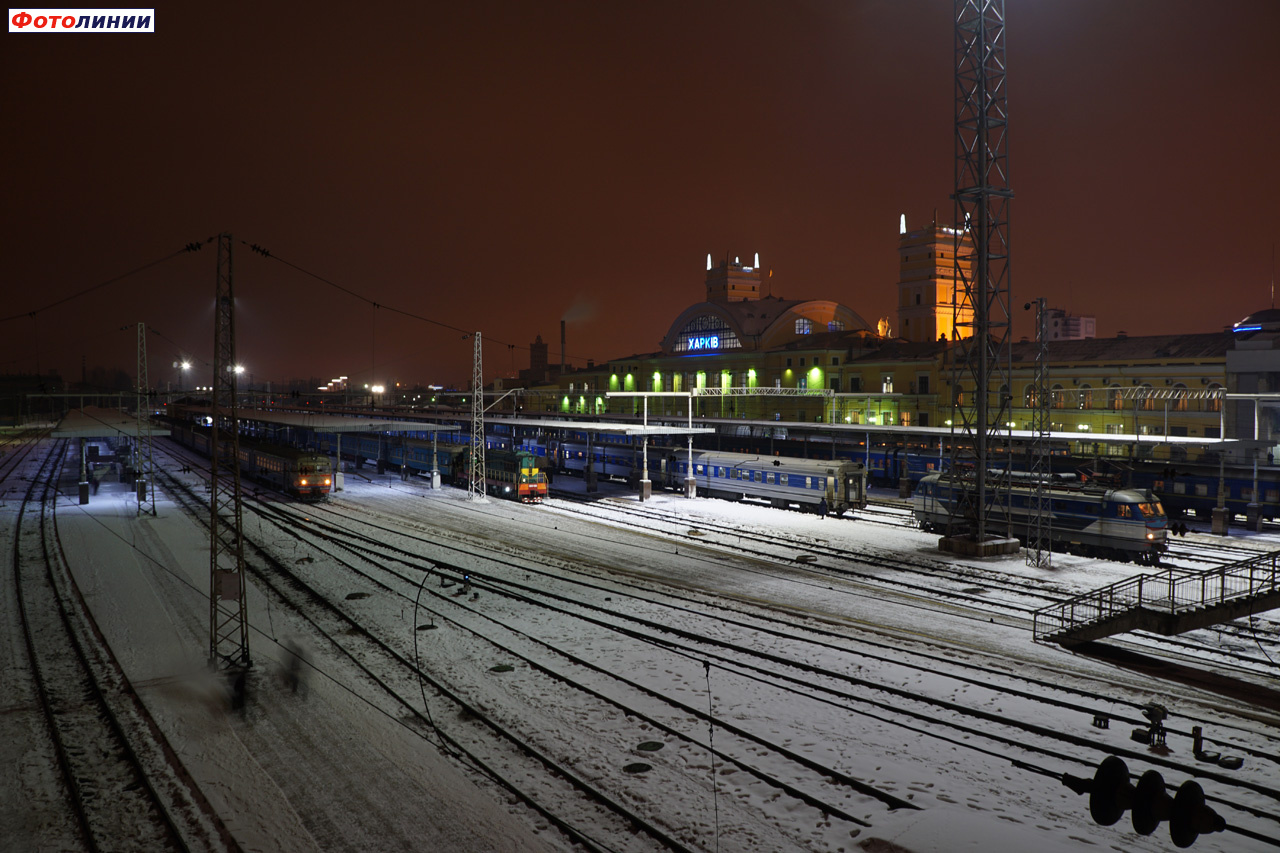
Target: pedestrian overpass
[1168, 602]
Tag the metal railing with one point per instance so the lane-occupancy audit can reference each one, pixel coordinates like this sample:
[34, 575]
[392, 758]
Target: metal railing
[1171, 592]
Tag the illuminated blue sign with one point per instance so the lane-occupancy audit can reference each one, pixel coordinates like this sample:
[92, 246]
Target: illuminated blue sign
[704, 342]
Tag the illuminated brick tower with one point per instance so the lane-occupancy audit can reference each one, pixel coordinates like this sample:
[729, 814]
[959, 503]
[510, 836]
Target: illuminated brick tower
[927, 283]
[734, 282]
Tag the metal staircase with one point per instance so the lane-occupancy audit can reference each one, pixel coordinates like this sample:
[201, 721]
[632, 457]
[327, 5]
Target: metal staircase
[1169, 602]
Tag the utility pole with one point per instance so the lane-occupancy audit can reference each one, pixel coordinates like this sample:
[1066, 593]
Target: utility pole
[142, 463]
[475, 485]
[228, 610]
[983, 364]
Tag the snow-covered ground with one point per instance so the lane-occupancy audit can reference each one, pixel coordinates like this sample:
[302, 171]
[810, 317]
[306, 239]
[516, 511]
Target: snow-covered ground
[334, 767]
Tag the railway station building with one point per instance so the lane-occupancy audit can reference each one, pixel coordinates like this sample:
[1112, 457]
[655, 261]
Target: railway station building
[762, 357]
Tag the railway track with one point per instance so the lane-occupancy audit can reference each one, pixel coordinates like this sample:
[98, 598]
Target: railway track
[368, 547]
[935, 580]
[123, 788]
[559, 793]
[848, 697]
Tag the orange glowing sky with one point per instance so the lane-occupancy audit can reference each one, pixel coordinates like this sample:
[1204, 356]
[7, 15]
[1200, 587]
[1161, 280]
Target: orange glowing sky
[501, 165]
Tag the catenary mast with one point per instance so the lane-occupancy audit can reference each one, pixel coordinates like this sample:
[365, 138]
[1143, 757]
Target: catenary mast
[228, 613]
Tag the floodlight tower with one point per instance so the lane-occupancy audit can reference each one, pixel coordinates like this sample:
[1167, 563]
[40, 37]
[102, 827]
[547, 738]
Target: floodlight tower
[228, 608]
[982, 364]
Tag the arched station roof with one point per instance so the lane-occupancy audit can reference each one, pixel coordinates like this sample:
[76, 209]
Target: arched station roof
[756, 324]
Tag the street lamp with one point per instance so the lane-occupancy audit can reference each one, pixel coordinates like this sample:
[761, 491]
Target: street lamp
[182, 367]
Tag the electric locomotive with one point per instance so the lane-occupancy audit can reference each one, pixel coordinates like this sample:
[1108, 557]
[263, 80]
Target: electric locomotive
[1088, 518]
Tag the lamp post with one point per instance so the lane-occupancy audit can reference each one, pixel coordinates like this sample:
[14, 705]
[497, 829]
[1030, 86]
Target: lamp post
[238, 371]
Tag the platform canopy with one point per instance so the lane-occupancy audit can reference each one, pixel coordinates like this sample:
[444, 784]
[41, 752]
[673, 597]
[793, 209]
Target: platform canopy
[889, 431]
[93, 422]
[611, 427]
[329, 422]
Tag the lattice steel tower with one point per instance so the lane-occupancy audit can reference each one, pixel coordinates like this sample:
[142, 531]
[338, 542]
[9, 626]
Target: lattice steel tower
[475, 486]
[1040, 522]
[982, 363]
[142, 445]
[228, 609]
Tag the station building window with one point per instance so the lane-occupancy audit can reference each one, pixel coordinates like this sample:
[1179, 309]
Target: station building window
[1146, 401]
[804, 326]
[1213, 403]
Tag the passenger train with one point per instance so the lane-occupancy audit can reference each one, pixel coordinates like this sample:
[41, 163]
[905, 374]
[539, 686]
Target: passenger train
[1087, 518]
[513, 474]
[1192, 488]
[782, 481]
[299, 473]
[809, 484]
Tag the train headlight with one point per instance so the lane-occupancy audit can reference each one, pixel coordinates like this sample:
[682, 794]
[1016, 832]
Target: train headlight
[1150, 535]
[303, 481]
[327, 481]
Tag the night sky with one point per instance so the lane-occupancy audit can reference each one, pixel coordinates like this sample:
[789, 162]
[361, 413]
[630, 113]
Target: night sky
[502, 165]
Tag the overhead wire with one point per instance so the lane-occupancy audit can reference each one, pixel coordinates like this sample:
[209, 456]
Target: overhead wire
[190, 247]
[196, 246]
[267, 253]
